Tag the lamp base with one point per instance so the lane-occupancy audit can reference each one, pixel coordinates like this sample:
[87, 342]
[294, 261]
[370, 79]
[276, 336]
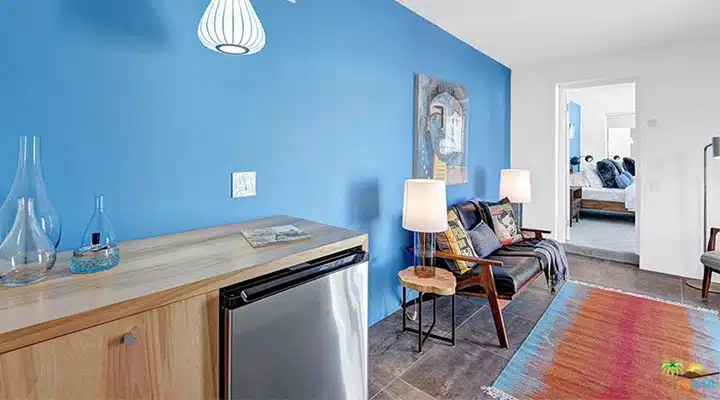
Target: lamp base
[424, 271]
[424, 255]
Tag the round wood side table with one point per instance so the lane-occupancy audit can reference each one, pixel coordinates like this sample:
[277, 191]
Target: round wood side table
[442, 284]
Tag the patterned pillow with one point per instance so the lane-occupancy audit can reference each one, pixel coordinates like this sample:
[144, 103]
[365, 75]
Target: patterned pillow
[504, 224]
[483, 239]
[455, 240]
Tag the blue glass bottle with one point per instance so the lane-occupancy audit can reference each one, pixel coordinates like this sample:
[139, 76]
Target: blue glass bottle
[98, 250]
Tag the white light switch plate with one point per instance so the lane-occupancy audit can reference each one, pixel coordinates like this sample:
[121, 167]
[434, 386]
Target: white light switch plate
[243, 184]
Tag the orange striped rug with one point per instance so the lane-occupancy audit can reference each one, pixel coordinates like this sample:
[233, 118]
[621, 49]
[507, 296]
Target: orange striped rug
[596, 343]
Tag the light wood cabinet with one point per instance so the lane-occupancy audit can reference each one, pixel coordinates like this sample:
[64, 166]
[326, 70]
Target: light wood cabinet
[63, 338]
[168, 352]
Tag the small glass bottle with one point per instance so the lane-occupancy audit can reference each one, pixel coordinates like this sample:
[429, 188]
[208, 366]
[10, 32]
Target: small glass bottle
[98, 250]
[27, 253]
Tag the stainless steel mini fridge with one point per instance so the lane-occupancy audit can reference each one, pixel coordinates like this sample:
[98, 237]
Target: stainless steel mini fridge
[299, 333]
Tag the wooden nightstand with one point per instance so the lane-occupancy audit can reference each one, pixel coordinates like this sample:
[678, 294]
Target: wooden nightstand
[575, 203]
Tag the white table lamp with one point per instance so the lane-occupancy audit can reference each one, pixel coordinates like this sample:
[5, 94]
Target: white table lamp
[515, 185]
[425, 213]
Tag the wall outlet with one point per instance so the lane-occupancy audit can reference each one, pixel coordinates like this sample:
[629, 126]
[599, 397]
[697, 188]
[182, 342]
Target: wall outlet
[243, 184]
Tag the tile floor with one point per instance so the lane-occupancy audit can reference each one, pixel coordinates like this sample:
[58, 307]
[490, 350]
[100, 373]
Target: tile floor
[398, 372]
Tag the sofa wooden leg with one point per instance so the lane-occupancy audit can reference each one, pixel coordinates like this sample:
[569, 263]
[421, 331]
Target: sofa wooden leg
[499, 323]
[707, 280]
[489, 285]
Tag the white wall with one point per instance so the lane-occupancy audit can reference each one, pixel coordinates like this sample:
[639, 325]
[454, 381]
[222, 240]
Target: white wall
[596, 103]
[679, 88]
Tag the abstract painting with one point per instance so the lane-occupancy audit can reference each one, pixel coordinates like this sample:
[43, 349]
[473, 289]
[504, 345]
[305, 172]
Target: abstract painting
[441, 125]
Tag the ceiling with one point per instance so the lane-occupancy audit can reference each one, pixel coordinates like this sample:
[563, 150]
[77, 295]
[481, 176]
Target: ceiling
[516, 31]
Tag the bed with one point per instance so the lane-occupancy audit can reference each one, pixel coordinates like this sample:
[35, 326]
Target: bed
[605, 199]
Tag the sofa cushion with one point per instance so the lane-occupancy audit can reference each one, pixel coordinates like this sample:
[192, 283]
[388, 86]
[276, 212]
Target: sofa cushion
[483, 239]
[711, 259]
[513, 275]
[504, 223]
[455, 240]
[468, 214]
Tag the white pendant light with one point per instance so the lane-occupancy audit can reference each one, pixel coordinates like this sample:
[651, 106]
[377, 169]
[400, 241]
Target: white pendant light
[231, 27]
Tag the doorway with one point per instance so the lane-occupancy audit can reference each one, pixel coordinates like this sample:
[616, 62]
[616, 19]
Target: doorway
[599, 161]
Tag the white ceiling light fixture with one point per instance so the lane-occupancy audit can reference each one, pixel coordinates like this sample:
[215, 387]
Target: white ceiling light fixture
[231, 27]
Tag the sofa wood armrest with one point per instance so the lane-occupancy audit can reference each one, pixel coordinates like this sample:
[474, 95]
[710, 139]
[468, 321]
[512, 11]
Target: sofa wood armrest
[711, 245]
[459, 257]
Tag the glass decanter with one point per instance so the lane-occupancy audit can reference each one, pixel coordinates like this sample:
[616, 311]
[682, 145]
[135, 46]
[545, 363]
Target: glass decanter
[98, 250]
[30, 183]
[26, 254]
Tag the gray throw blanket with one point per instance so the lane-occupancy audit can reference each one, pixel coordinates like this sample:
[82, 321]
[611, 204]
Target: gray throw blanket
[549, 253]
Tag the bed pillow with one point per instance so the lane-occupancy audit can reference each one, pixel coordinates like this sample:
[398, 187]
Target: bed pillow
[455, 240]
[578, 180]
[629, 165]
[504, 223]
[593, 178]
[608, 172]
[483, 239]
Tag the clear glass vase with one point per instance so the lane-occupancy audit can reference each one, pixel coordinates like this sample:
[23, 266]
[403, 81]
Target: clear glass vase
[26, 254]
[30, 183]
[98, 250]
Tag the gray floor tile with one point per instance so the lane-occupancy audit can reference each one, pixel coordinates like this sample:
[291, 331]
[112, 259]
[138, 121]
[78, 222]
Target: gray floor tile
[586, 269]
[480, 331]
[402, 390]
[623, 277]
[694, 297]
[530, 304]
[383, 395]
[481, 301]
[457, 372]
[464, 309]
[391, 349]
[378, 378]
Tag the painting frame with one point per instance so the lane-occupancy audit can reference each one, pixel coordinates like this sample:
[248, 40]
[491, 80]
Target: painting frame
[440, 130]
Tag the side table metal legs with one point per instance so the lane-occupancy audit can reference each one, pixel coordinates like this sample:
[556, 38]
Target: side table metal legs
[422, 336]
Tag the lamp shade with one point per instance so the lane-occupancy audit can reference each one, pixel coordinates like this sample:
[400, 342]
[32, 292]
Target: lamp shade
[716, 147]
[515, 185]
[231, 27]
[425, 206]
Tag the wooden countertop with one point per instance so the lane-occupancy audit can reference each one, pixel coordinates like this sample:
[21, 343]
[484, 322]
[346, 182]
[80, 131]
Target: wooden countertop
[154, 272]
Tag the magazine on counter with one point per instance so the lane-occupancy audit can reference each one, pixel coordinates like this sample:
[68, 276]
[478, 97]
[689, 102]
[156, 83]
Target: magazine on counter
[274, 234]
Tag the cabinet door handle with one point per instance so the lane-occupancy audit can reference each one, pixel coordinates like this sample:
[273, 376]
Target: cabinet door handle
[128, 339]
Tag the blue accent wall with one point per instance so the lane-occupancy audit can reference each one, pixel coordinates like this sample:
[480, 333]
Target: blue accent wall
[576, 118]
[131, 105]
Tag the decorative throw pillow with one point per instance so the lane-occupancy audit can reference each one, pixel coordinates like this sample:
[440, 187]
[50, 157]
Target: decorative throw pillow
[607, 171]
[629, 165]
[455, 240]
[618, 166]
[504, 224]
[483, 239]
[593, 178]
[623, 180]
